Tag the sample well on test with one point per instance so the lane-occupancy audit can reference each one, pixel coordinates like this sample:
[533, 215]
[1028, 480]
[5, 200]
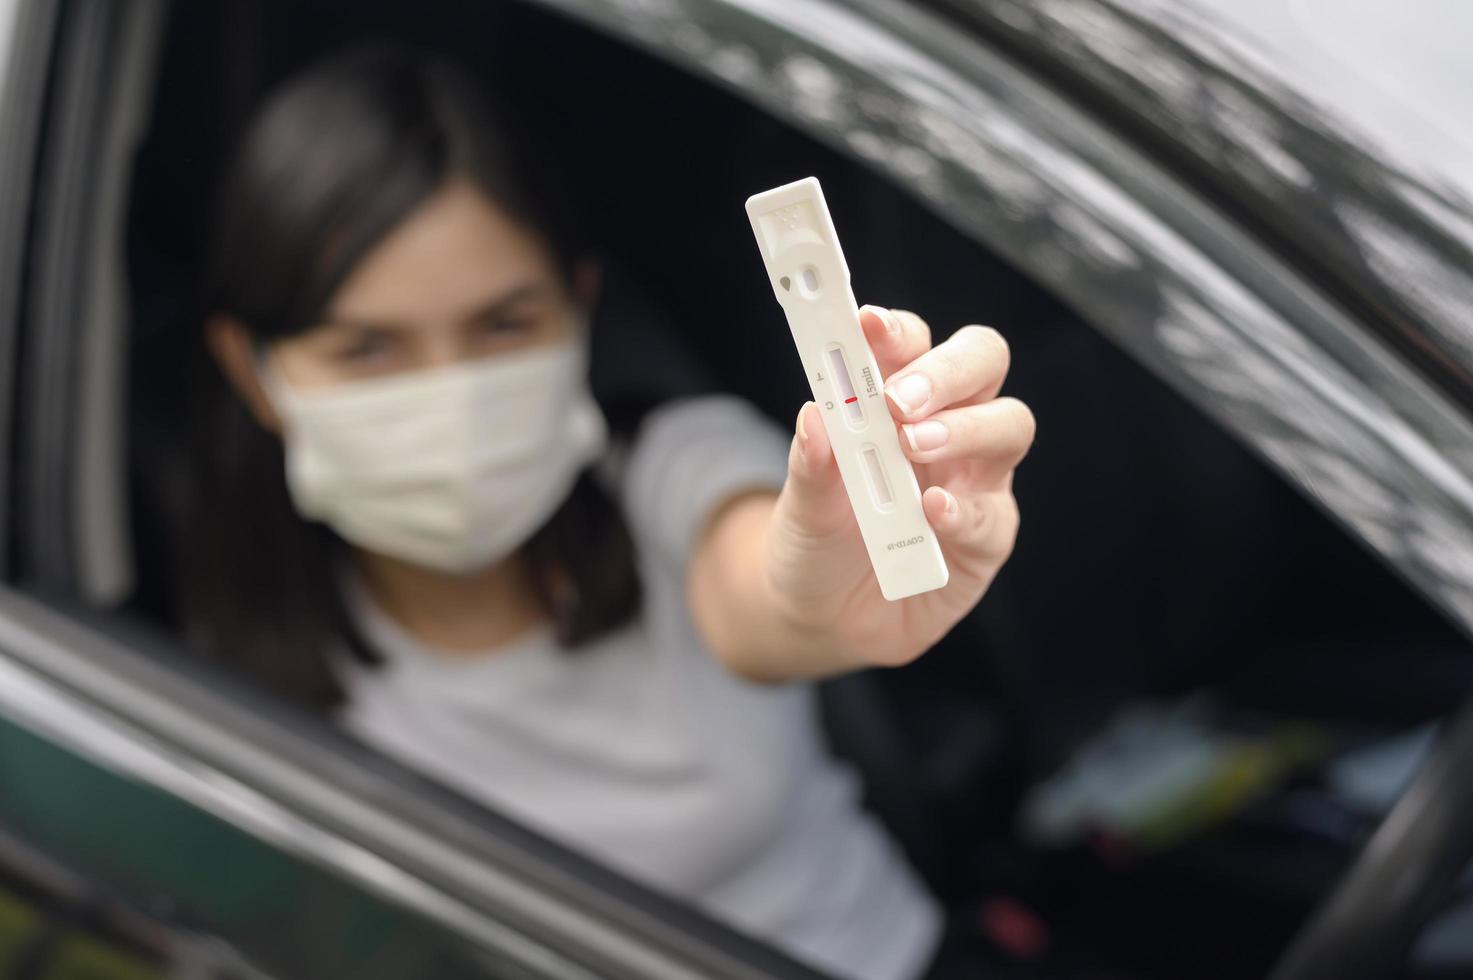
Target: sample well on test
[876, 473]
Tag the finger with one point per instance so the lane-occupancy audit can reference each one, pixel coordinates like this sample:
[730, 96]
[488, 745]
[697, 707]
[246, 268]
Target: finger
[968, 366]
[814, 491]
[896, 336]
[974, 528]
[999, 432]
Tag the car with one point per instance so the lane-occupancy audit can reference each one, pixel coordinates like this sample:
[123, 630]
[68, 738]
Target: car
[1234, 270]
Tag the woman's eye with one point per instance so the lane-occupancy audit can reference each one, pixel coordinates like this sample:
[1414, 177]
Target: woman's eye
[364, 348]
[509, 324]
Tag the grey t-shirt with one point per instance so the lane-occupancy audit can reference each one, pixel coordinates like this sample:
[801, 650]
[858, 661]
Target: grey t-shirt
[642, 752]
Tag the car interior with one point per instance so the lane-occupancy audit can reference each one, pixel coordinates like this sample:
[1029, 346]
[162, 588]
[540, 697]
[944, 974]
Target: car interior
[1159, 562]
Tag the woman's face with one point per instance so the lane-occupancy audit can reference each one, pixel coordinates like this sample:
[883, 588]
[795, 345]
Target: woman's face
[457, 280]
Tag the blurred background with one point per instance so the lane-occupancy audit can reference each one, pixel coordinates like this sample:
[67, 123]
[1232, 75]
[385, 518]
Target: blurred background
[1231, 246]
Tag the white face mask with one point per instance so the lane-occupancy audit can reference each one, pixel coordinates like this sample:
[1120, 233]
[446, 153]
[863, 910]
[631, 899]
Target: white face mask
[451, 468]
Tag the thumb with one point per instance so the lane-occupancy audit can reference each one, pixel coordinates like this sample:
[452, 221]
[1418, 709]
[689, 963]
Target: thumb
[814, 496]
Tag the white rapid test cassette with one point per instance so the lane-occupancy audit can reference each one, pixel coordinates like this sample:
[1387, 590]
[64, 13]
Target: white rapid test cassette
[811, 280]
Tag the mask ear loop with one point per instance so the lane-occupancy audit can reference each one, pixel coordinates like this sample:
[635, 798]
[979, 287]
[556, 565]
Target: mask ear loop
[582, 339]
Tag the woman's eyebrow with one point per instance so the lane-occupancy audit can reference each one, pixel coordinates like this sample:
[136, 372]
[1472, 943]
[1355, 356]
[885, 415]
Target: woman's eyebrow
[517, 294]
[337, 323]
[486, 309]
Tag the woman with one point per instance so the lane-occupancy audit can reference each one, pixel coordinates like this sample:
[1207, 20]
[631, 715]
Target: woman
[406, 516]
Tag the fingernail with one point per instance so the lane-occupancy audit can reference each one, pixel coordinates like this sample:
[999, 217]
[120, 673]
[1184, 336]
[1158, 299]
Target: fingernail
[802, 431]
[951, 506]
[910, 392]
[885, 317]
[929, 434]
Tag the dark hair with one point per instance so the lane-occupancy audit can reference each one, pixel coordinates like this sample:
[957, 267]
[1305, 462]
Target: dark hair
[335, 159]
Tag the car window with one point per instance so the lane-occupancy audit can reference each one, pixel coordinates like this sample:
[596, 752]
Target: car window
[1183, 374]
[1130, 250]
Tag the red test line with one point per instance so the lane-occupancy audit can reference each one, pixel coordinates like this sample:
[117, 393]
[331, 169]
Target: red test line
[851, 398]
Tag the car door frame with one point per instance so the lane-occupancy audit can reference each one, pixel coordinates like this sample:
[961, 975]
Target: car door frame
[26, 31]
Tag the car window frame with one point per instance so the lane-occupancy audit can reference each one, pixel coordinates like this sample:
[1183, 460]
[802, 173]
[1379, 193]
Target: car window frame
[71, 488]
[25, 44]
